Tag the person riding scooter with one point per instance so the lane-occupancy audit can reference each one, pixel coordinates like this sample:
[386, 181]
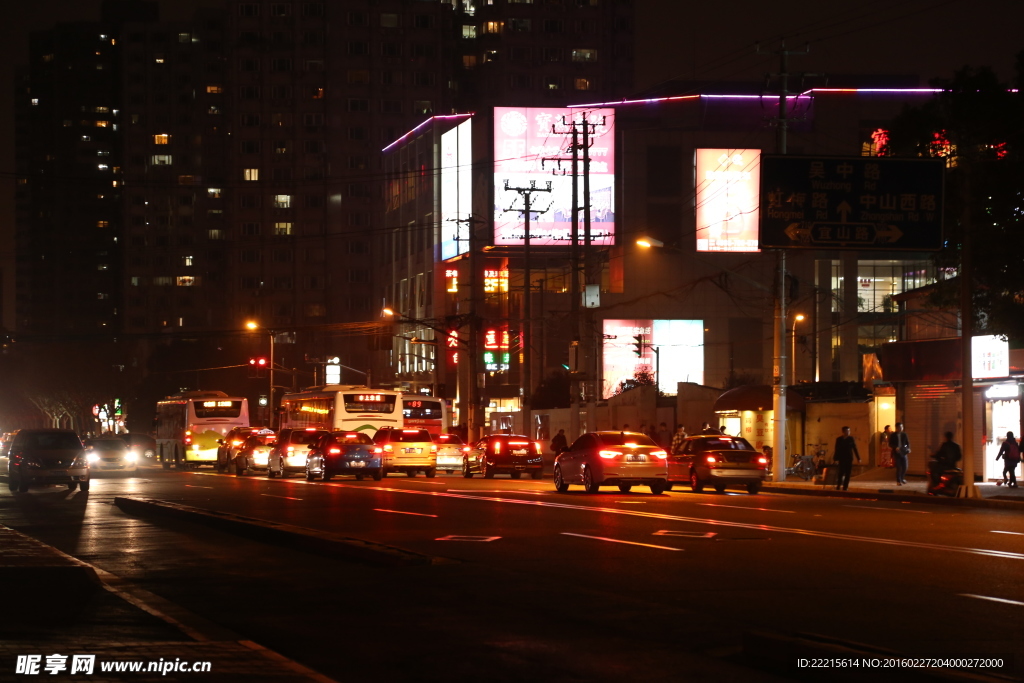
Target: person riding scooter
[942, 463]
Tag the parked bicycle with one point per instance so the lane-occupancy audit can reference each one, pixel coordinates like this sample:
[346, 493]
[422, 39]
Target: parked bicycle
[803, 467]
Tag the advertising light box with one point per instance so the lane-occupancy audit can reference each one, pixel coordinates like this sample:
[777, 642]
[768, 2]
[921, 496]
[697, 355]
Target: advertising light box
[456, 189]
[526, 143]
[727, 196]
[990, 357]
[680, 345]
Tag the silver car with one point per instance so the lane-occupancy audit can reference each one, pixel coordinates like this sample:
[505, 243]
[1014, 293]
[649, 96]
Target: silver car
[110, 454]
[450, 452]
[47, 456]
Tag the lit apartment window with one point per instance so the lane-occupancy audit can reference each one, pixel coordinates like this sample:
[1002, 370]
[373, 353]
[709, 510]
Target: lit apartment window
[493, 26]
[282, 201]
[102, 124]
[162, 281]
[468, 31]
[584, 84]
[213, 192]
[158, 60]
[102, 167]
[553, 83]
[283, 228]
[317, 93]
[185, 281]
[215, 89]
[102, 266]
[186, 180]
[161, 139]
[468, 61]
[490, 56]
[215, 234]
[251, 174]
[160, 160]
[581, 55]
[102, 224]
[187, 261]
[184, 37]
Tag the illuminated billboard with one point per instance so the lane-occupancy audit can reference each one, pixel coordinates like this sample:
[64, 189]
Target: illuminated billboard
[680, 345]
[528, 144]
[727, 197]
[456, 189]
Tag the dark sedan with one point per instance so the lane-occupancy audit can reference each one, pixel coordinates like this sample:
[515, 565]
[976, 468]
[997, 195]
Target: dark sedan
[344, 453]
[511, 454]
[718, 461]
[47, 456]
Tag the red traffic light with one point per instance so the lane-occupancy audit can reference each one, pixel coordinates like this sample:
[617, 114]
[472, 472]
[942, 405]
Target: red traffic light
[259, 362]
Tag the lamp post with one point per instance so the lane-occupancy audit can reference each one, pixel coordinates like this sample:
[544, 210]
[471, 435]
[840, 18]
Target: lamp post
[253, 325]
[792, 354]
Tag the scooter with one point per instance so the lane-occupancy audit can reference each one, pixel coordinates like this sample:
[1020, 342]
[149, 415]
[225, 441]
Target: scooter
[947, 483]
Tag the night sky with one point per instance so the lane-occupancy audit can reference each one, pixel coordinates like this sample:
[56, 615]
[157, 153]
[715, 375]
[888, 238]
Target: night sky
[686, 39]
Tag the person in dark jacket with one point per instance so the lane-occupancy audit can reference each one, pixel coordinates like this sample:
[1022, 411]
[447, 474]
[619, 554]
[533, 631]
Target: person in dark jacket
[899, 444]
[1010, 453]
[947, 457]
[559, 443]
[844, 453]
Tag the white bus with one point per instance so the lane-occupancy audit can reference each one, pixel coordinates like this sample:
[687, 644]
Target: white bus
[342, 407]
[425, 412]
[189, 426]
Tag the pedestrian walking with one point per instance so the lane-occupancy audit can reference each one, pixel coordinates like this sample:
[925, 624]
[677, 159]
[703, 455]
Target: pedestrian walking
[899, 447]
[676, 446]
[844, 453]
[884, 452]
[1010, 453]
[559, 443]
[664, 436]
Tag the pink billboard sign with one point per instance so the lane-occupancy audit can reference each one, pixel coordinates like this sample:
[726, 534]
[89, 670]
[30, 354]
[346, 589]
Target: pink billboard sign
[533, 145]
[727, 197]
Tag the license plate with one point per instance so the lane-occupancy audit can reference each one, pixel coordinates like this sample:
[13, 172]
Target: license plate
[413, 450]
[520, 451]
[356, 463]
[56, 473]
[636, 458]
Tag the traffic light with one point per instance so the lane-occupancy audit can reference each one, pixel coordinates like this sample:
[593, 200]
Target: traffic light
[258, 366]
[638, 345]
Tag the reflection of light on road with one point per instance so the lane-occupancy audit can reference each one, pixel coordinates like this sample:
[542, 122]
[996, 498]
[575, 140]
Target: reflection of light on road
[615, 540]
[401, 512]
[1015, 533]
[270, 495]
[871, 507]
[744, 507]
[985, 597]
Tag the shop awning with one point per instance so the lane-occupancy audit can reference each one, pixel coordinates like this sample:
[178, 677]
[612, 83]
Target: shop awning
[756, 397]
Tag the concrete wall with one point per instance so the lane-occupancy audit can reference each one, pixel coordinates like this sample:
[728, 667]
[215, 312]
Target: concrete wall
[694, 403]
[824, 422]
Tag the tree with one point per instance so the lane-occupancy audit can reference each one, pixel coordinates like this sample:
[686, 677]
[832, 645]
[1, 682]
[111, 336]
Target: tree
[641, 377]
[975, 124]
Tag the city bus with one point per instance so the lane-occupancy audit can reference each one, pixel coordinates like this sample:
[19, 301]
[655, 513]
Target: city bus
[425, 412]
[342, 407]
[190, 425]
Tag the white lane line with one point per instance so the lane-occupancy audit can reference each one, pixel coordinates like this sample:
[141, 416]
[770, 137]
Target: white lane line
[478, 539]
[285, 497]
[483, 491]
[1015, 533]
[985, 597]
[693, 520]
[872, 507]
[193, 486]
[413, 480]
[685, 534]
[632, 502]
[401, 512]
[615, 540]
[744, 507]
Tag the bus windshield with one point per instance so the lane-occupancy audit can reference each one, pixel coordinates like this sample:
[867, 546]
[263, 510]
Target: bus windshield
[216, 408]
[421, 409]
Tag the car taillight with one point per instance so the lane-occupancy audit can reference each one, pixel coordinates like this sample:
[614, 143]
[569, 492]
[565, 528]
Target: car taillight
[465, 449]
[389, 448]
[660, 454]
[497, 447]
[378, 451]
[334, 451]
[290, 448]
[536, 447]
[762, 460]
[433, 448]
[236, 443]
[609, 454]
[711, 459]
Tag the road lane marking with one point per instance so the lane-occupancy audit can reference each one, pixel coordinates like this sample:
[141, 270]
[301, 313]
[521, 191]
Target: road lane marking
[985, 597]
[401, 512]
[413, 480]
[615, 540]
[632, 502]
[873, 507]
[273, 496]
[693, 520]
[1015, 533]
[685, 534]
[744, 507]
[478, 539]
[193, 486]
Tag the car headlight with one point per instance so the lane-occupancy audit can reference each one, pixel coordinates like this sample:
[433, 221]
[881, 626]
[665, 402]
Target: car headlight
[80, 461]
[92, 456]
[131, 456]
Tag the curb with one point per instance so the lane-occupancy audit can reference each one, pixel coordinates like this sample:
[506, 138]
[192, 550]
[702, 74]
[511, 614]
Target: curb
[322, 543]
[883, 494]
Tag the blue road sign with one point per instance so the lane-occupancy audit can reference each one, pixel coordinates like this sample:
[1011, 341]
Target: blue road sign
[862, 203]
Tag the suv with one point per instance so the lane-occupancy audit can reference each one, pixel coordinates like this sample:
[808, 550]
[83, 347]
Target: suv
[406, 450]
[290, 451]
[228, 447]
[47, 456]
[511, 454]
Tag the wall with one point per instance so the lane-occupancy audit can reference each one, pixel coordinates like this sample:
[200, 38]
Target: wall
[824, 422]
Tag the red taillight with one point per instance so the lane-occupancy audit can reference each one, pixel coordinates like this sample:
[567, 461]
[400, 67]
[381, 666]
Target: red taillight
[518, 443]
[660, 454]
[334, 451]
[378, 451]
[497, 447]
[310, 429]
[433, 448]
[536, 447]
[290, 448]
[711, 459]
[465, 449]
[389, 448]
[762, 460]
[188, 439]
[350, 435]
[236, 443]
[609, 454]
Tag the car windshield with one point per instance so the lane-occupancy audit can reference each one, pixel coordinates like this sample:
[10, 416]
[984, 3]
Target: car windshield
[448, 439]
[410, 435]
[304, 437]
[108, 444]
[623, 438]
[348, 438]
[723, 443]
[50, 441]
[262, 440]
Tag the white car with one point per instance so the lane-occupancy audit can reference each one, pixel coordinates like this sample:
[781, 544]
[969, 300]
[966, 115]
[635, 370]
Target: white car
[451, 449]
[290, 451]
[110, 454]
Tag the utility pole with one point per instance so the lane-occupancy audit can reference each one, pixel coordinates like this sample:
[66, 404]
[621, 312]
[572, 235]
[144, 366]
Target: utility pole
[525, 328]
[779, 370]
[469, 391]
[968, 490]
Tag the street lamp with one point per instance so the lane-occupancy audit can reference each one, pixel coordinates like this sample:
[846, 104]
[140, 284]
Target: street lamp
[792, 355]
[254, 326]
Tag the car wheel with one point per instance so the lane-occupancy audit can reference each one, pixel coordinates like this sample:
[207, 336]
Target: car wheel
[466, 472]
[270, 472]
[488, 470]
[72, 486]
[360, 476]
[84, 486]
[310, 476]
[625, 488]
[516, 475]
[410, 473]
[12, 483]
[378, 474]
[657, 487]
[720, 488]
[431, 472]
[589, 484]
[383, 473]
[695, 483]
[560, 484]
[753, 487]
[325, 474]
[536, 474]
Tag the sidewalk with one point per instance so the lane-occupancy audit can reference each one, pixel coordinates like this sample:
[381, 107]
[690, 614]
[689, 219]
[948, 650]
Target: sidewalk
[881, 482]
[74, 616]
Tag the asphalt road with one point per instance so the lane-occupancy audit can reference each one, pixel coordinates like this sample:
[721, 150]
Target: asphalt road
[567, 587]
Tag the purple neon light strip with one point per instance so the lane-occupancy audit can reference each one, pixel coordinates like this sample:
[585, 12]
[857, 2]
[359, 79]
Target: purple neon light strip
[432, 118]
